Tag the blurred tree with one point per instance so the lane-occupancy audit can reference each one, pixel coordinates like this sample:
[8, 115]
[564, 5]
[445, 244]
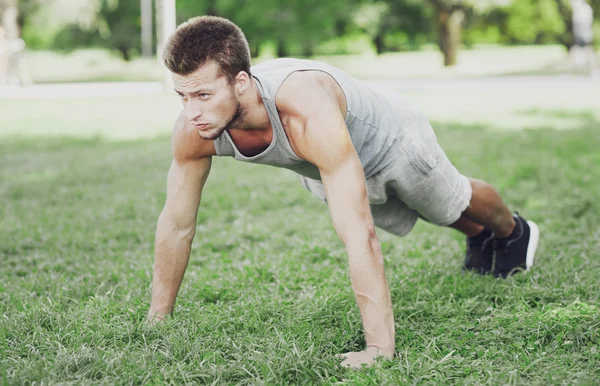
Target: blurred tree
[62, 24]
[450, 15]
[306, 23]
[123, 20]
[298, 27]
[26, 8]
[566, 14]
[295, 26]
[534, 21]
[565, 11]
[248, 15]
[114, 24]
[382, 18]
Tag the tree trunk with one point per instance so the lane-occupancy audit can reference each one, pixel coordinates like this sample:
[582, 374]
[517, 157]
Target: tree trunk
[124, 52]
[281, 49]
[166, 24]
[307, 49]
[450, 34]
[146, 19]
[565, 12]
[378, 41]
[254, 50]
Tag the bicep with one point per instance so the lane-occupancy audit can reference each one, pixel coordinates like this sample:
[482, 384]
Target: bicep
[326, 143]
[320, 136]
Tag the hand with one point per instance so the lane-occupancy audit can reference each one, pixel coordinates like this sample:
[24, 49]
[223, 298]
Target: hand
[357, 358]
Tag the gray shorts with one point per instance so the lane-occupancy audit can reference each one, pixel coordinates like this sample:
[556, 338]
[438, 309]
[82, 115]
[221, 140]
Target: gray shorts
[421, 181]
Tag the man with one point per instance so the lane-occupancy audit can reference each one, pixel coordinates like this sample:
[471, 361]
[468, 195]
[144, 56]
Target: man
[583, 35]
[368, 153]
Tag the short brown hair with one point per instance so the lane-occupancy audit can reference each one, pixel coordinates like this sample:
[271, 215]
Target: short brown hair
[208, 37]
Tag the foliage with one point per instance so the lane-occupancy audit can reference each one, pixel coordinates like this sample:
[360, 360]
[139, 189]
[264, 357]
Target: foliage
[296, 27]
[301, 27]
[536, 21]
[394, 25]
[122, 17]
[42, 21]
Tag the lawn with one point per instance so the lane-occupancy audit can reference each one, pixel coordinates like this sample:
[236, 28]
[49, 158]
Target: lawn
[266, 298]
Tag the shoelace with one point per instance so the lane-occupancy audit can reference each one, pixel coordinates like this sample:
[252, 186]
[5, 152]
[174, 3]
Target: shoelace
[504, 244]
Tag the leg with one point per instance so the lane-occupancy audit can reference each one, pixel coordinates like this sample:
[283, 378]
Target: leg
[487, 208]
[427, 182]
[513, 245]
[468, 227]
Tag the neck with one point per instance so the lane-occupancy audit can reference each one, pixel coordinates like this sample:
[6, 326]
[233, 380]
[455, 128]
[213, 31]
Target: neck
[256, 117]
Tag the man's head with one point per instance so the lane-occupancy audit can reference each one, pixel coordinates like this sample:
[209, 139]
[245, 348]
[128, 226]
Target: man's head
[210, 61]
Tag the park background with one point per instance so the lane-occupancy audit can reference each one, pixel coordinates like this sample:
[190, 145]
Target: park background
[84, 152]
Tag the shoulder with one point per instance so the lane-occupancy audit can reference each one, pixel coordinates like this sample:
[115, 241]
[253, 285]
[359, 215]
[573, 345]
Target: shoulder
[304, 94]
[186, 143]
[311, 115]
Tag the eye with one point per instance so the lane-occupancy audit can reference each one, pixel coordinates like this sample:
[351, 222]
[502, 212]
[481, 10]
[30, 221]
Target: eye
[203, 96]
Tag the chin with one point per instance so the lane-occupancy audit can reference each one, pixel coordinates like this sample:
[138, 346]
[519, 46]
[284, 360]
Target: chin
[211, 135]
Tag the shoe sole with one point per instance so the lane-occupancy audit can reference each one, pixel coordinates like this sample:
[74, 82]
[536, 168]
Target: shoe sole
[534, 238]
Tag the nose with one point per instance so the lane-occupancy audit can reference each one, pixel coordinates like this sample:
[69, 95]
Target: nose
[192, 111]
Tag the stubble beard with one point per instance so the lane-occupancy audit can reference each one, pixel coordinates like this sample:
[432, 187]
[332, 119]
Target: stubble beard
[238, 115]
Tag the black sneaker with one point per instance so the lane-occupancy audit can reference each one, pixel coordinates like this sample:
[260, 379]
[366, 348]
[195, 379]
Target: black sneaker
[480, 253]
[516, 253]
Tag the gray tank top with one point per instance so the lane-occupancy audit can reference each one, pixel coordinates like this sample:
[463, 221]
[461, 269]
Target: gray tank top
[376, 120]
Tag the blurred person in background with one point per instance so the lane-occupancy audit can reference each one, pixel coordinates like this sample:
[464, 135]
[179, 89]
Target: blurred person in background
[582, 52]
[3, 59]
[13, 71]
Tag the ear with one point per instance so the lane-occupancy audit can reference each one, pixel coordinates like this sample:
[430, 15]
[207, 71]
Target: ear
[242, 82]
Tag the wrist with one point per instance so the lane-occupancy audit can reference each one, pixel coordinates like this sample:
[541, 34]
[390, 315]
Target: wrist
[385, 351]
[159, 312]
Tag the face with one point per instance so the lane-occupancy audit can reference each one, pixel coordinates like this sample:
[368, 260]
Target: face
[210, 102]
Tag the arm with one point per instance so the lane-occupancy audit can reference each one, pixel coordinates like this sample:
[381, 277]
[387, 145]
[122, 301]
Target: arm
[320, 136]
[351, 216]
[175, 231]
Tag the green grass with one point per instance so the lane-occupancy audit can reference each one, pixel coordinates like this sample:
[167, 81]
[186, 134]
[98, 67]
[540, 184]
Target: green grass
[267, 298]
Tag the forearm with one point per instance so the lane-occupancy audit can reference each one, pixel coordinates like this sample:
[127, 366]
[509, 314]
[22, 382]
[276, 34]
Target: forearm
[372, 295]
[172, 252]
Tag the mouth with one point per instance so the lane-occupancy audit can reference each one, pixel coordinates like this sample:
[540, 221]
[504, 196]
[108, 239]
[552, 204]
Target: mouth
[200, 125]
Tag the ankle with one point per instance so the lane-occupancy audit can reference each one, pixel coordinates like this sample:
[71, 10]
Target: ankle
[481, 235]
[510, 233]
